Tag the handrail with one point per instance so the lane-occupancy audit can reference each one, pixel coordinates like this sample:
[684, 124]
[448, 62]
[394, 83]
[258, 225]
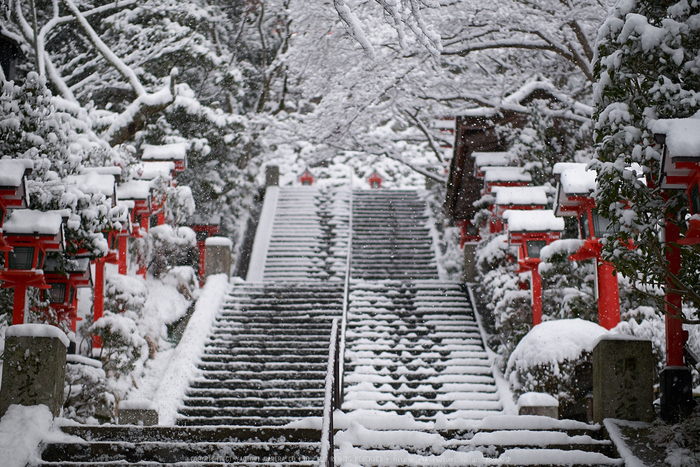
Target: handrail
[346, 301]
[330, 401]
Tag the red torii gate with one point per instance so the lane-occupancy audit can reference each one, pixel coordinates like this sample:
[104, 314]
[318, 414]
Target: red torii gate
[574, 198]
[531, 231]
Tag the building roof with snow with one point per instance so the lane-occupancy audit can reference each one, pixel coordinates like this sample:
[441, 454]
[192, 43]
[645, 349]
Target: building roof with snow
[94, 183]
[153, 170]
[578, 181]
[134, 190]
[12, 173]
[533, 221]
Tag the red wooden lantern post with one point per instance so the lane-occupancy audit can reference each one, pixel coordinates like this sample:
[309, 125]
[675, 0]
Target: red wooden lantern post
[375, 180]
[574, 198]
[680, 170]
[531, 231]
[31, 234]
[203, 231]
[13, 190]
[138, 193]
[62, 294]
[307, 178]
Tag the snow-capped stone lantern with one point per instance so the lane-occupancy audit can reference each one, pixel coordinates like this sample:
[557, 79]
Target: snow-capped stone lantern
[307, 178]
[375, 180]
[531, 231]
[31, 234]
[680, 170]
[203, 231]
[515, 198]
[62, 294]
[575, 199]
[175, 153]
[13, 189]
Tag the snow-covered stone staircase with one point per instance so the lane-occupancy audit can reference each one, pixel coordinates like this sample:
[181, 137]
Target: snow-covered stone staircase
[391, 238]
[265, 360]
[308, 236]
[415, 348]
[418, 380]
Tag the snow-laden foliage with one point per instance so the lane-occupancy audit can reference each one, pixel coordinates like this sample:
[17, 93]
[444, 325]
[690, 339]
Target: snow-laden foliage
[33, 127]
[647, 69]
[171, 247]
[567, 286]
[555, 357]
[88, 397]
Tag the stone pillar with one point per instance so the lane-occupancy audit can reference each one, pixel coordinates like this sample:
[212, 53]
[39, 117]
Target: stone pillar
[470, 262]
[217, 259]
[623, 379]
[272, 175]
[538, 403]
[34, 371]
[137, 413]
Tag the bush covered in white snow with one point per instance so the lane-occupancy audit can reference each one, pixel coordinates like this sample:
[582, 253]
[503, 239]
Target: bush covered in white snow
[555, 358]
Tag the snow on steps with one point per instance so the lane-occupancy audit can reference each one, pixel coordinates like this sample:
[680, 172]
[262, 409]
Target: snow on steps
[391, 238]
[414, 347]
[185, 446]
[265, 361]
[494, 440]
[308, 240]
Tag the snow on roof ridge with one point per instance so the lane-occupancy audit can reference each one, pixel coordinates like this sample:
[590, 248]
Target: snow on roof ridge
[31, 221]
[682, 136]
[521, 195]
[542, 220]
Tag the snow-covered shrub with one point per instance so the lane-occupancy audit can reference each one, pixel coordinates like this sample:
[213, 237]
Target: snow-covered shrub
[87, 395]
[122, 345]
[500, 291]
[170, 247]
[125, 294]
[555, 358]
[567, 286]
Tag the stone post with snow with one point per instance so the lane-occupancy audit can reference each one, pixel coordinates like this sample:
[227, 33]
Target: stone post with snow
[218, 256]
[623, 385]
[34, 371]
